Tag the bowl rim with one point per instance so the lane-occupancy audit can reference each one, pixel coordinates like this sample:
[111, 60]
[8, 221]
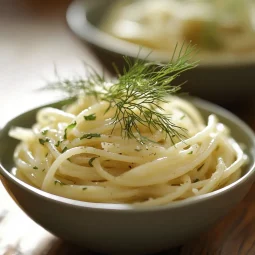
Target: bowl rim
[76, 17]
[200, 104]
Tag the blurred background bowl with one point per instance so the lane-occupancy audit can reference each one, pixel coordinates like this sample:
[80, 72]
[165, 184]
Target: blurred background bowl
[224, 81]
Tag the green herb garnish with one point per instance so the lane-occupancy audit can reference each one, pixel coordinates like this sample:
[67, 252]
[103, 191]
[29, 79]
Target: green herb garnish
[136, 95]
[191, 152]
[84, 188]
[71, 126]
[64, 150]
[58, 143]
[59, 182]
[35, 167]
[90, 117]
[44, 132]
[42, 141]
[90, 136]
[91, 161]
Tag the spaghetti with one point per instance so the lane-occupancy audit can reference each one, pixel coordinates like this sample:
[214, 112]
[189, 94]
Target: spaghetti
[80, 153]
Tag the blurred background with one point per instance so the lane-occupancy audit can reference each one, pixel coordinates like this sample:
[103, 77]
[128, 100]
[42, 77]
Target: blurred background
[33, 38]
[37, 35]
[223, 32]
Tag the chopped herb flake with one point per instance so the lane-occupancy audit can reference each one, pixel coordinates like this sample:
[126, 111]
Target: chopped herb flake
[47, 154]
[71, 126]
[191, 152]
[90, 117]
[35, 167]
[59, 182]
[90, 135]
[42, 141]
[44, 132]
[182, 117]
[84, 188]
[64, 150]
[58, 143]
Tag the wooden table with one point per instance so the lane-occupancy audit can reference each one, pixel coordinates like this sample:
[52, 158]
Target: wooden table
[34, 37]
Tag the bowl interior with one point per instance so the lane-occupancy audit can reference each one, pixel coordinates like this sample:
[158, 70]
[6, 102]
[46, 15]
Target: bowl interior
[239, 130]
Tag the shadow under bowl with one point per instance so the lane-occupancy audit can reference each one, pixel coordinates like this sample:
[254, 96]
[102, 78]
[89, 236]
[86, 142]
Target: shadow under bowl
[120, 228]
[223, 81]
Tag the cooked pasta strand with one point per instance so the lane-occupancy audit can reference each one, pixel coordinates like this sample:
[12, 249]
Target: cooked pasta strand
[81, 158]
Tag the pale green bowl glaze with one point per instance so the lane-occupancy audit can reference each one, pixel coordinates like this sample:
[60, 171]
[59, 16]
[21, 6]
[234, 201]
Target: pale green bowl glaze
[122, 229]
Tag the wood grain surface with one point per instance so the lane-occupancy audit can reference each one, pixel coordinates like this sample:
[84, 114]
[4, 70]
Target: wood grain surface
[33, 38]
